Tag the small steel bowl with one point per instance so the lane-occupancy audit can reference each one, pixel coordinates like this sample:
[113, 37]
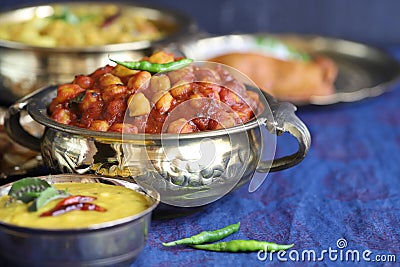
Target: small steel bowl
[25, 68]
[105, 244]
[188, 170]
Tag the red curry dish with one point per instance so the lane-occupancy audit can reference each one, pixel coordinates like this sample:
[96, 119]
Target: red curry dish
[185, 100]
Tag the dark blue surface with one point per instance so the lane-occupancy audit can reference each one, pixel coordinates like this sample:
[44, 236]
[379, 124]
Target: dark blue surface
[348, 187]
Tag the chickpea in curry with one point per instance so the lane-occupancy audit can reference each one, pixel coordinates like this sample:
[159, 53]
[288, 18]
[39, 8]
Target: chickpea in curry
[190, 99]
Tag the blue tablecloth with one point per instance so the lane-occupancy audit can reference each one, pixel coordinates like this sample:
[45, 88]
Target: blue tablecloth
[342, 202]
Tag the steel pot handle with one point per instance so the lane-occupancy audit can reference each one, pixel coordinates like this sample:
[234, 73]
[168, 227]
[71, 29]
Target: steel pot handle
[286, 121]
[15, 130]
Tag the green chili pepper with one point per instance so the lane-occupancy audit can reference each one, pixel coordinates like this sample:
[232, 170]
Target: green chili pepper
[206, 236]
[243, 246]
[154, 67]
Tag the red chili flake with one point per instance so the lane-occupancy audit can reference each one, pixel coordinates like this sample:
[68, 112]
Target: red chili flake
[71, 203]
[67, 208]
[74, 200]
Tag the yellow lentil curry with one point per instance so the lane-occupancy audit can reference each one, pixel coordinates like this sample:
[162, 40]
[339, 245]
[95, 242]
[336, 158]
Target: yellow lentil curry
[119, 202]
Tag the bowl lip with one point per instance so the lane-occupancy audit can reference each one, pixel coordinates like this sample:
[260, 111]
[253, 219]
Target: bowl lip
[37, 109]
[149, 192]
[186, 25]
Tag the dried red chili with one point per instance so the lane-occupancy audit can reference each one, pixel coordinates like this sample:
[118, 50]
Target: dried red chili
[71, 203]
[67, 208]
[74, 200]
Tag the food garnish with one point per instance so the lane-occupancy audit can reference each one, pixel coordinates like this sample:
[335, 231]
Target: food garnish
[243, 246]
[206, 236]
[34, 190]
[281, 50]
[71, 203]
[154, 67]
[27, 189]
[58, 210]
[75, 200]
[66, 15]
[203, 239]
[45, 197]
[40, 193]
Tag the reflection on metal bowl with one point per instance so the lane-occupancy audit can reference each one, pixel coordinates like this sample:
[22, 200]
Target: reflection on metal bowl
[24, 68]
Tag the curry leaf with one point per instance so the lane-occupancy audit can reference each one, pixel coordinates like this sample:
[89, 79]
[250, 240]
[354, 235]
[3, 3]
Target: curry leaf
[27, 189]
[78, 98]
[46, 196]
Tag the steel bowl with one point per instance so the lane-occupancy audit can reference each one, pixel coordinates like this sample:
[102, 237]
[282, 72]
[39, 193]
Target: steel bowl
[25, 68]
[188, 170]
[107, 244]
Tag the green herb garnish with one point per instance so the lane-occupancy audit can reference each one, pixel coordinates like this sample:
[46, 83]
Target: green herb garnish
[279, 49]
[78, 98]
[45, 197]
[66, 15]
[34, 189]
[27, 189]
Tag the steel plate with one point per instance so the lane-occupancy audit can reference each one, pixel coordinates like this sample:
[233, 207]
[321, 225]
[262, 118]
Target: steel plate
[364, 71]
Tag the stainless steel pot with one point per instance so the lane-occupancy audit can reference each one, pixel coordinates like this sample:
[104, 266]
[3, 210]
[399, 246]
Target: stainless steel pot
[188, 170]
[106, 244]
[25, 68]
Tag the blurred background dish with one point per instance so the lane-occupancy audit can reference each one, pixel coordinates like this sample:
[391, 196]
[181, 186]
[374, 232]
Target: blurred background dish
[364, 21]
[362, 71]
[25, 67]
[77, 25]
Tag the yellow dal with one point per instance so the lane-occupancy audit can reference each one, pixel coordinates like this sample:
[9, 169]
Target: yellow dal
[119, 201]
